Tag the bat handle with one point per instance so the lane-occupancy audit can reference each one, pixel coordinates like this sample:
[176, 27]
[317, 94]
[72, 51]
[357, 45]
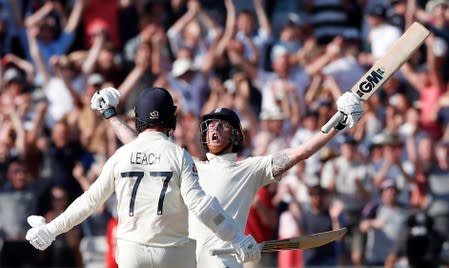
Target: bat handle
[332, 122]
[221, 251]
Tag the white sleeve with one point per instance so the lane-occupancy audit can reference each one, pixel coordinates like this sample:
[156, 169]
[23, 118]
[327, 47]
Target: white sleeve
[88, 202]
[205, 207]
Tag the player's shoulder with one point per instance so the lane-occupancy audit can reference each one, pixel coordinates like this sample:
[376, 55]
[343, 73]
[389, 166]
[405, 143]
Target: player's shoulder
[254, 160]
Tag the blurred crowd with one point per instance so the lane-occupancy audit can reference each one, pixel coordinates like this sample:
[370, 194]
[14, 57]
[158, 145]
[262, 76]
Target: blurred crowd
[280, 64]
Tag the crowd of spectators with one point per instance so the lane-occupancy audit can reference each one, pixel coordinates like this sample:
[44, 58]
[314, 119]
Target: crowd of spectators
[280, 64]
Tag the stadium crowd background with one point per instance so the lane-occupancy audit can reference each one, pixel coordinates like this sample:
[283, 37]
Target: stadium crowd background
[279, 64]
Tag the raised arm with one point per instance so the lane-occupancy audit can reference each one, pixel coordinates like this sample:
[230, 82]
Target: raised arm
[94, 51]
[36, 54]
[350, 105]
[35, 18]
[142, 64]
[229, 28]
[175, 30]
[262, 17]
[75, 16]
[106, 101]
[287, 158]
[22, 64]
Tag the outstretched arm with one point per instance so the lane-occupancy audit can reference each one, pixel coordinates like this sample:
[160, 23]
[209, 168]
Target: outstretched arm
[106, 101]
[350, 105]
[123, 132]
[287, 158]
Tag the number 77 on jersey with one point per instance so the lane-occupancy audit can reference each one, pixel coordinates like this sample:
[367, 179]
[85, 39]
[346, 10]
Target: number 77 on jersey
[302, 242]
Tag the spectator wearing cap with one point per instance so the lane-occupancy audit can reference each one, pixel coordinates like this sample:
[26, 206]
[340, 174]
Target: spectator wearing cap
[383, 222]
[14, 82]
[349, 180]
[381, 35]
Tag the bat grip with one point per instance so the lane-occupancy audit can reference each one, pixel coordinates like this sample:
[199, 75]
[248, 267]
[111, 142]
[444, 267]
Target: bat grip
[221, 251]
[333, 122]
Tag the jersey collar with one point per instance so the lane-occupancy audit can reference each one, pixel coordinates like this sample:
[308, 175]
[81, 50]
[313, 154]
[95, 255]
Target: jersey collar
[153, 135]
[225, 157]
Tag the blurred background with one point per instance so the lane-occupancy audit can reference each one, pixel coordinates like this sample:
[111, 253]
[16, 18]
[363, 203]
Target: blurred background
[280, 64]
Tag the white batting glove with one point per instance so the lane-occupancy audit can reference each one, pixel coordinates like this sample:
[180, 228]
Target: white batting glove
[246, 248]
[39, 235]
[105, 101]
[350, 105]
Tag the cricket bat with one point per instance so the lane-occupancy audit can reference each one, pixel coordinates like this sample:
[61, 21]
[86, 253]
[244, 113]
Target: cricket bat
[385, 67]
[302, 242]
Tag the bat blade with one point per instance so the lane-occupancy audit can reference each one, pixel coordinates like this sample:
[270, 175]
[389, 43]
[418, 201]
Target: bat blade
[385, 67]
[302, 242]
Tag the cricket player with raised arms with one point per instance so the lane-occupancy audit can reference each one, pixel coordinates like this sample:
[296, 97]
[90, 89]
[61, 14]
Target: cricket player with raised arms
[156, 184]
[234, 182]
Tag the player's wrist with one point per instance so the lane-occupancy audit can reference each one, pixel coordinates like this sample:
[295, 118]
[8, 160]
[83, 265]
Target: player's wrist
[109, 112]
[238, 237]
[340, 126]
[52, 229]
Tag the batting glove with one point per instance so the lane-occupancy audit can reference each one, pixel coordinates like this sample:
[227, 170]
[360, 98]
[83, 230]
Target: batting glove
[246, 248]
[105, 101]
[40, 235]
[350, 105]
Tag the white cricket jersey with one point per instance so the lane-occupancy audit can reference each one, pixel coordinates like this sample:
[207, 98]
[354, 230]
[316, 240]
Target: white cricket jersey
[234, 183]
[154, 179]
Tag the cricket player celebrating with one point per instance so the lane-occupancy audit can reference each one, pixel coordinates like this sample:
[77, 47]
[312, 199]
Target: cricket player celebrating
[235, 183]
[156, 183]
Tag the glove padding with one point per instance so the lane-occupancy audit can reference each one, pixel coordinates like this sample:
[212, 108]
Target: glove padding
[39, 235]
[105, 98]
[350, 105]
[246, 248]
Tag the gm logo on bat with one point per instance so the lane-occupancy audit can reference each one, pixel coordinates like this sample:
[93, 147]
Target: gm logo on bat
[371, 80]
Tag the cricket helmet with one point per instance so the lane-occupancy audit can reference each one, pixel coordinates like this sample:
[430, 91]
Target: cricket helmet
[155, 107]
[229, 116]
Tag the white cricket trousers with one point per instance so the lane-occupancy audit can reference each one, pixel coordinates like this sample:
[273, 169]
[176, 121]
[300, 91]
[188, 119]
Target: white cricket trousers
[133, 255]
[224, 261]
